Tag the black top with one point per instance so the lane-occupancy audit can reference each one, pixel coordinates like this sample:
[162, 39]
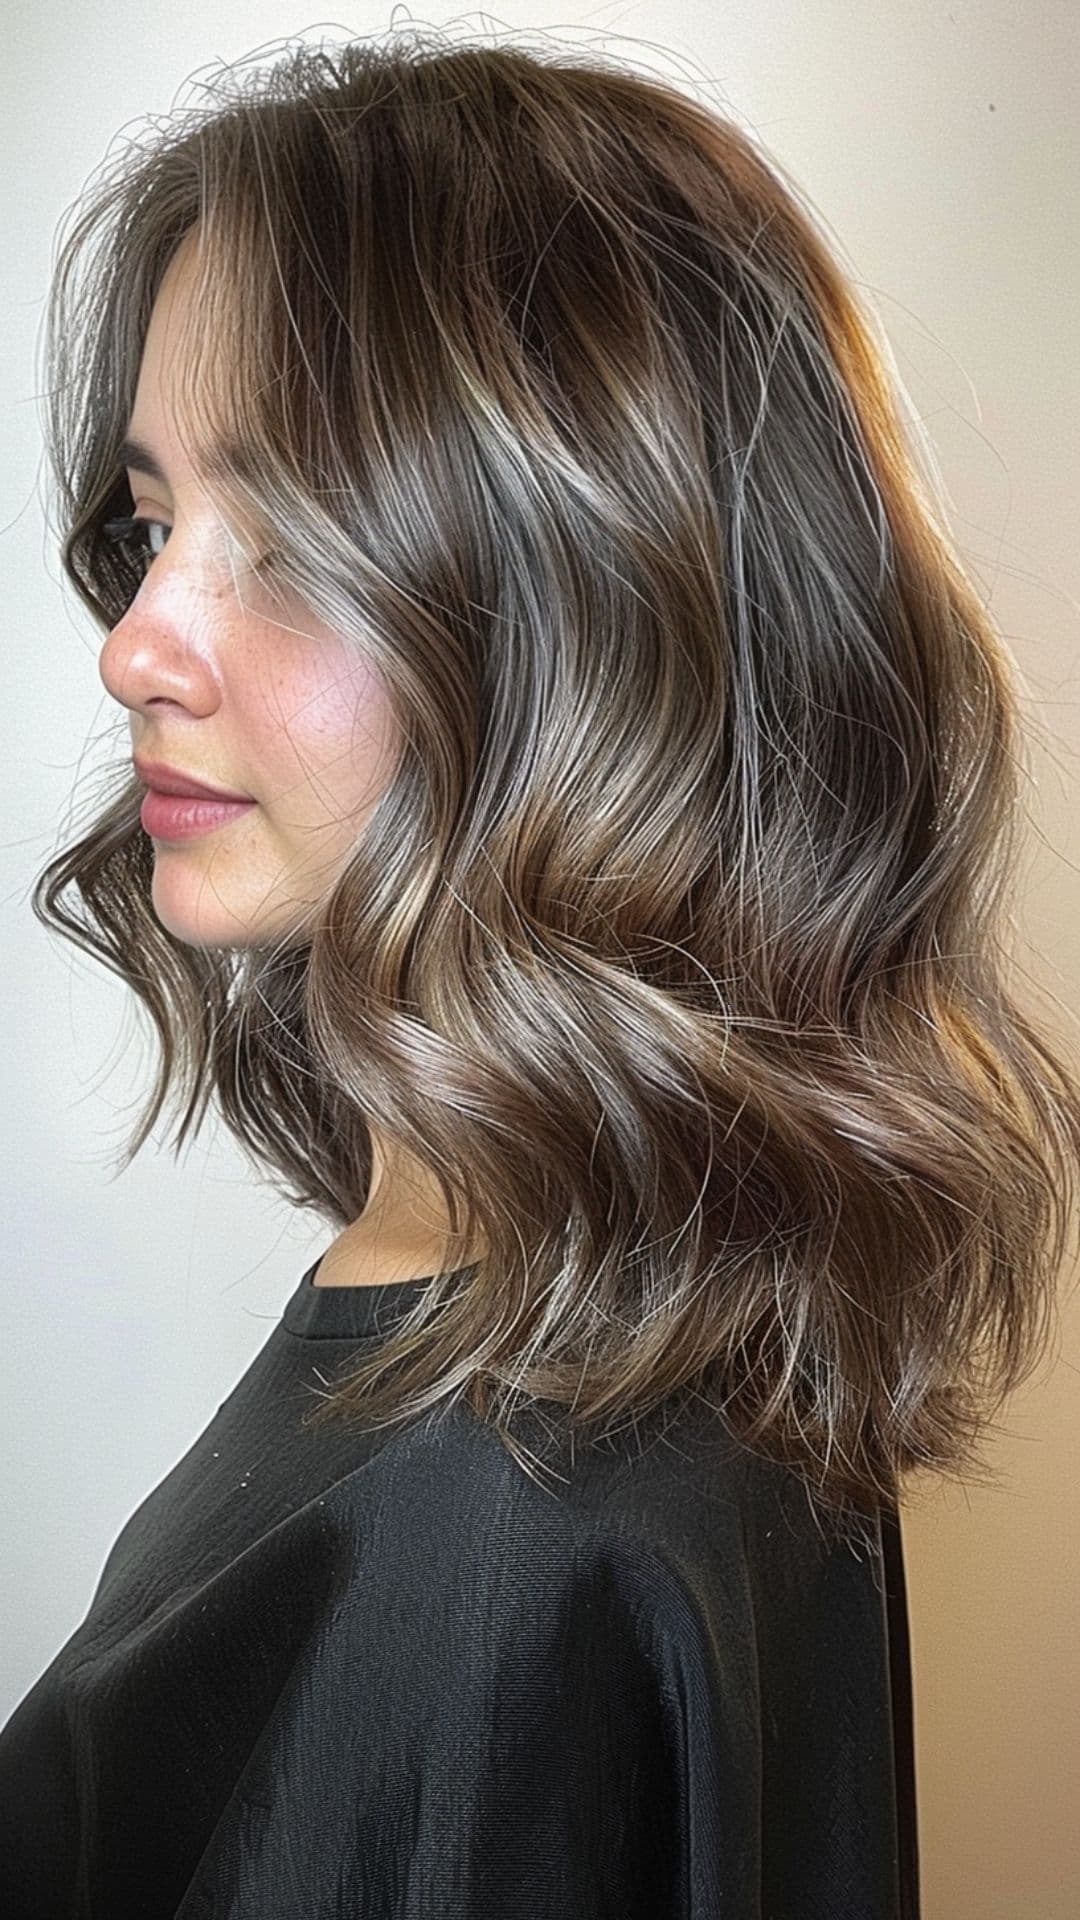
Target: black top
[389, 1676]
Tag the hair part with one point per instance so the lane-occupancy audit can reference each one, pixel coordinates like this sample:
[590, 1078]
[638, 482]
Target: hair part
[674, 946]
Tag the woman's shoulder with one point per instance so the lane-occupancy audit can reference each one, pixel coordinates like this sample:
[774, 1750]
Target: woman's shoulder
[677, 1488]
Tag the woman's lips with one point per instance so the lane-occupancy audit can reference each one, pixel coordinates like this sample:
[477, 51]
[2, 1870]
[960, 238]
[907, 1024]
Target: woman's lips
[166, 817]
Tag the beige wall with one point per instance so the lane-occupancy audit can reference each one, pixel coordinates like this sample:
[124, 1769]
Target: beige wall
[994, 1598]
[993, 1586]
[994, 1572]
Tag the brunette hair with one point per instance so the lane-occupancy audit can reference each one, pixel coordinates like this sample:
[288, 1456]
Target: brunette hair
[674, 945]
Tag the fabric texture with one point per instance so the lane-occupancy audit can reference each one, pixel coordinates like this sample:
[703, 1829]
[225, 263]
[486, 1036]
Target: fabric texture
[389, 1676]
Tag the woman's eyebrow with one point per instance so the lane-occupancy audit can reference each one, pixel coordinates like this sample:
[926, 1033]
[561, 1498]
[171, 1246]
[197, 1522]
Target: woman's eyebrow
[133, 453]
[219, 464]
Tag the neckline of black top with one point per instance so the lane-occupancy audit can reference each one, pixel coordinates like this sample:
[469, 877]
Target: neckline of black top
[346, 1313]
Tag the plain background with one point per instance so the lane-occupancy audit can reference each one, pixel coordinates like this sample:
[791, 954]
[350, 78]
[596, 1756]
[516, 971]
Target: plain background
[941, 144]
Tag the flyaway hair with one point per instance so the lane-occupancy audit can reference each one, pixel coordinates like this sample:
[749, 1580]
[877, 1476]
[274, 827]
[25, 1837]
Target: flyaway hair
[675, 944]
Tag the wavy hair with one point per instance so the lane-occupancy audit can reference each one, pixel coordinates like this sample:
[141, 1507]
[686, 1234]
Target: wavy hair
[674, 944]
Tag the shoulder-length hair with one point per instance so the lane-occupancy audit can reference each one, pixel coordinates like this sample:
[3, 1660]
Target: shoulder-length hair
[673, 946]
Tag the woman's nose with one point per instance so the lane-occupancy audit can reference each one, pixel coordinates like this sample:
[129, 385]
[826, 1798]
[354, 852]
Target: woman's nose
[154, 653]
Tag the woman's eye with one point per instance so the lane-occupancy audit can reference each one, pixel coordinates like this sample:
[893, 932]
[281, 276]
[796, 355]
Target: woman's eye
[135, 537]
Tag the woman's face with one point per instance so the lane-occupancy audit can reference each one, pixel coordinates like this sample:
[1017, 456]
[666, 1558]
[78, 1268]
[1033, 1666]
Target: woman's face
[232, 688]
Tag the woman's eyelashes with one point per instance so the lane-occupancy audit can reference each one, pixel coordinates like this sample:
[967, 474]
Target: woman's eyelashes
[132, 535]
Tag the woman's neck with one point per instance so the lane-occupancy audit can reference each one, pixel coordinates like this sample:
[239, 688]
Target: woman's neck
[402, 1234]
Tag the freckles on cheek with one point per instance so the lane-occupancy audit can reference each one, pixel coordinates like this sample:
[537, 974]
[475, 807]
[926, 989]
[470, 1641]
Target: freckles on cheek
[342, 722]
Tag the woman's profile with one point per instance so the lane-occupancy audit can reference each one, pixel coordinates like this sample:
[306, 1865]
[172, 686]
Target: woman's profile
[569, 815]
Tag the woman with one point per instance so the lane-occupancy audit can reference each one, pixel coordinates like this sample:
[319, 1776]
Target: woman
[489, 485]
